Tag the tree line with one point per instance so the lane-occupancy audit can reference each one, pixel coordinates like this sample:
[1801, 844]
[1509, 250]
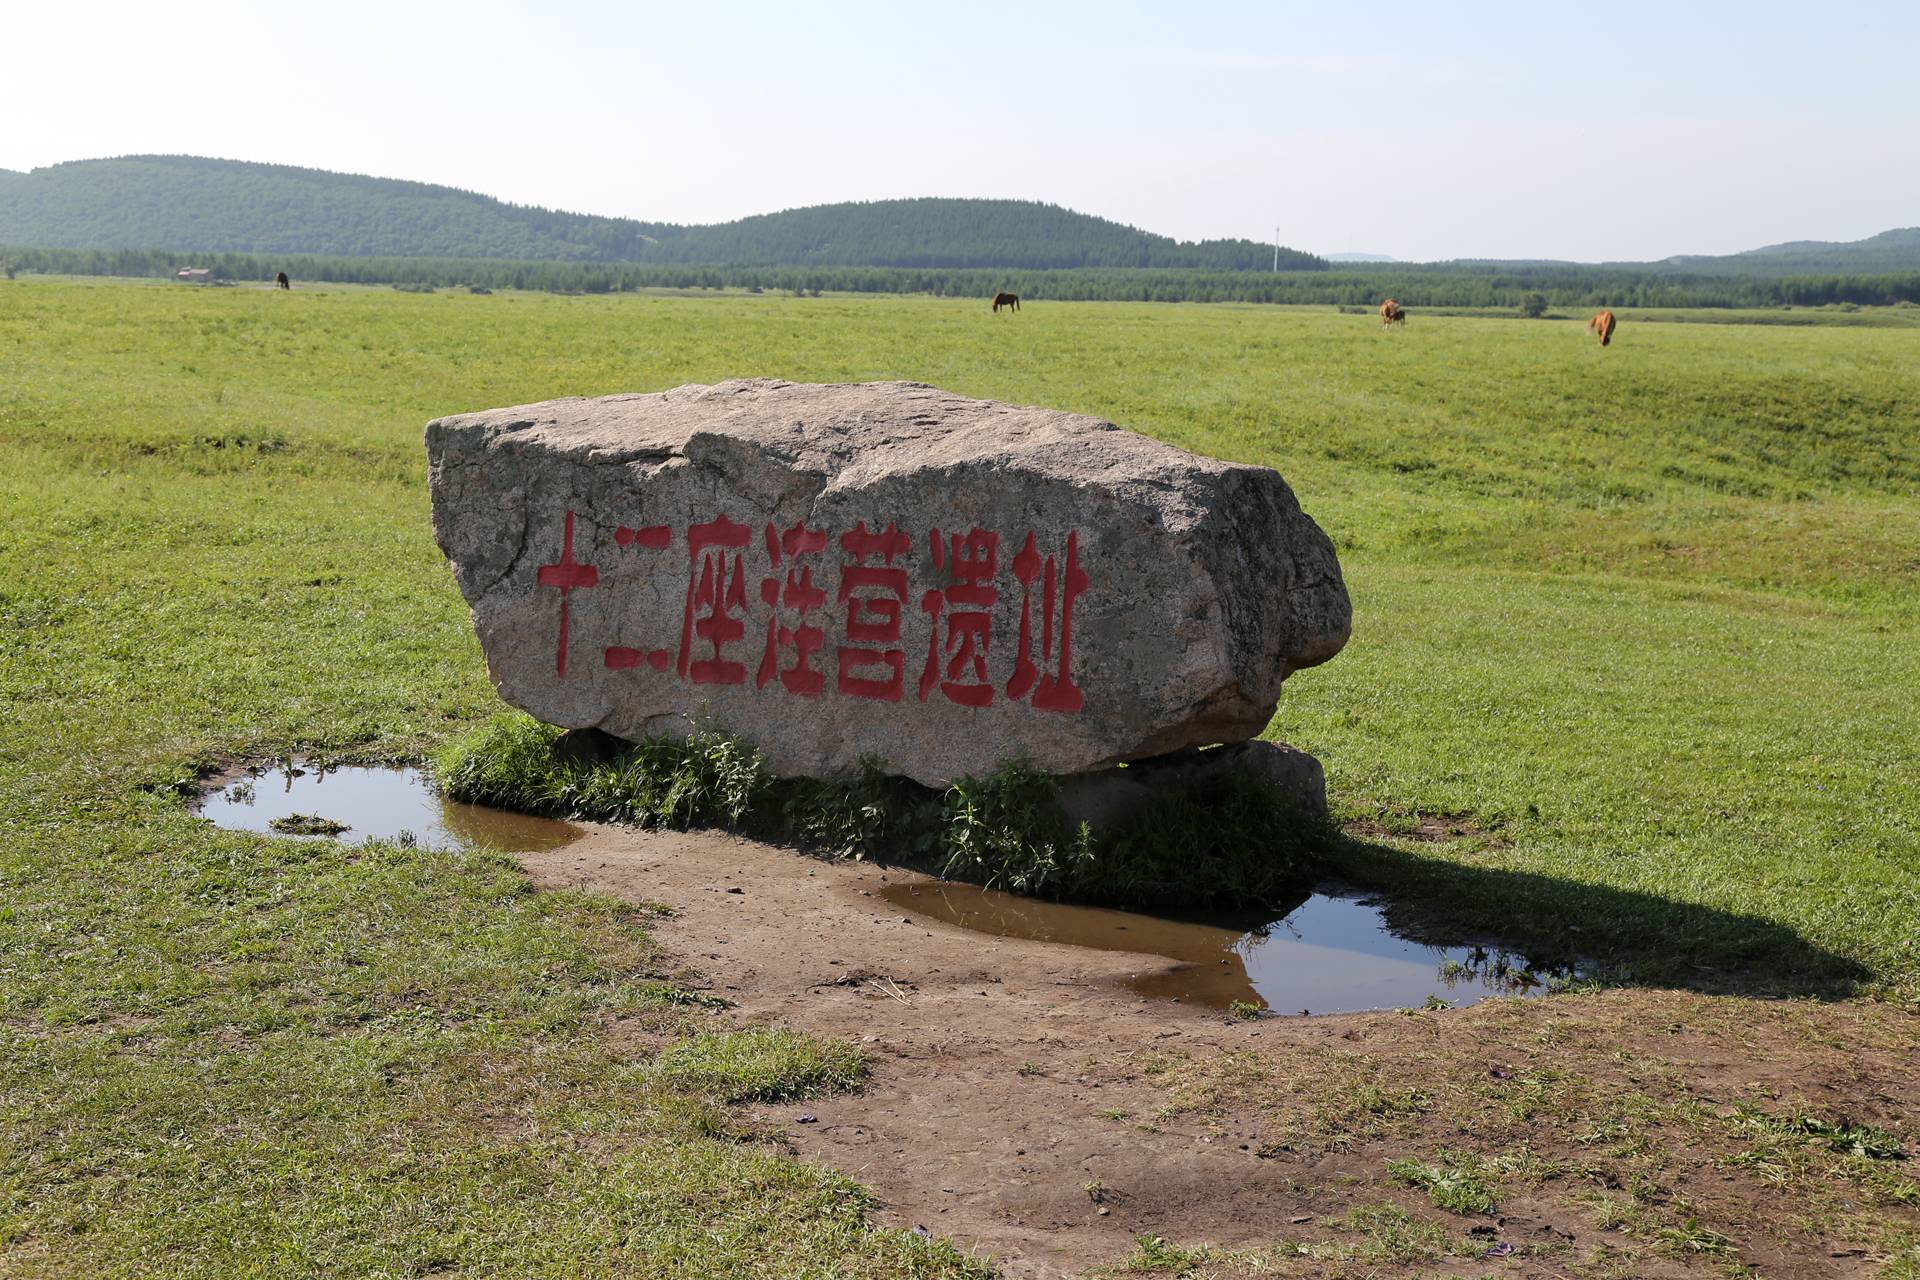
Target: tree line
[1359, 286]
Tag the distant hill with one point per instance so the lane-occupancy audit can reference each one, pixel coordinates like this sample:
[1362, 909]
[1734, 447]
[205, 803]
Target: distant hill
[1902, 238]
[935, 232]
[1896, 250]
[1888, 252]
[193, 204]
[197, 205]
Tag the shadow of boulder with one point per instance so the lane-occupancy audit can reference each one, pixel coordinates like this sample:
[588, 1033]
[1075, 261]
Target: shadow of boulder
[1616, 936]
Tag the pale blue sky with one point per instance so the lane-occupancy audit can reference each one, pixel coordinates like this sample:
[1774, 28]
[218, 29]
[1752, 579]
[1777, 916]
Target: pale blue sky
[1602, 130]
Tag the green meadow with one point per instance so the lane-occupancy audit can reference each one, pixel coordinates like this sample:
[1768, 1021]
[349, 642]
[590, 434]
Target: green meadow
[1642, 622]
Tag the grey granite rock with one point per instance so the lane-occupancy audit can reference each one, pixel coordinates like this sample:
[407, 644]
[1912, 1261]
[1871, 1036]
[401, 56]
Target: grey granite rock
[880, 569]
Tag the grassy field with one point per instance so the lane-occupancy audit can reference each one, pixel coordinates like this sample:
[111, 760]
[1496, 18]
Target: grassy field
[1647, 618]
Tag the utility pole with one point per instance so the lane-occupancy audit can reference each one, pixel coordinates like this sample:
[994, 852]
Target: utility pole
[1276, 248]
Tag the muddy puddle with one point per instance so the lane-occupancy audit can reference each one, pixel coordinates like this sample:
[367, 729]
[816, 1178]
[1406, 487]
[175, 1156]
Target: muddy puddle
[1330, 953]
[355, 804]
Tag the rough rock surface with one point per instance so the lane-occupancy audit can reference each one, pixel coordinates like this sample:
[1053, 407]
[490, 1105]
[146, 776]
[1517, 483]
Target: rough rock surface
[881, 569]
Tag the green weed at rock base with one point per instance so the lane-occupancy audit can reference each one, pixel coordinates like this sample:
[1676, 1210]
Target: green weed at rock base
[707, 780]
[1006, 830]
[868, 815]
[1229, 842]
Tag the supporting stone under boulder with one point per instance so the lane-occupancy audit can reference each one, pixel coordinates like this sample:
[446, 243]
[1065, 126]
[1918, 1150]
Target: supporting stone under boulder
[1105, 800]
[880, 570]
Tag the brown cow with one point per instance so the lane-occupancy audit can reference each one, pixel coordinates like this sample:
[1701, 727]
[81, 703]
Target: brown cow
[1392, 312]
[1602, 324]
[1011, 301]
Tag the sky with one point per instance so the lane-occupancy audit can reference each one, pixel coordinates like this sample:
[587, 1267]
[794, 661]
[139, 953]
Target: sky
[1597, 131]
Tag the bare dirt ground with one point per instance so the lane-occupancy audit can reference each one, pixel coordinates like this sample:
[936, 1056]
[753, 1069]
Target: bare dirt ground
[1024, 1103]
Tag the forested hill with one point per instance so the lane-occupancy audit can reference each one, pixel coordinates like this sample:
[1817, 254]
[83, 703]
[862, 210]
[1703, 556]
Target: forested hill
[192, 204]
[1897, 250]
[935, 232]
[1889, 252]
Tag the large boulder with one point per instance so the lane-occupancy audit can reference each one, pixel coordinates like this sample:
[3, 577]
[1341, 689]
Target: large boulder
[878, 570]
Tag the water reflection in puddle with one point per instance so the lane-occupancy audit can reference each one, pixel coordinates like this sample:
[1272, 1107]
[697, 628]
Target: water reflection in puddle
[375, 804]
[1331, 953]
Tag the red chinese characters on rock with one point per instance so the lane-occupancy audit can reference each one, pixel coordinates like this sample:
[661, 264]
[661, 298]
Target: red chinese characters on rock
[873, 590]
[966, 608]
[566, 574]
[620, 657]
[1053, 690]
[799, 598]
[716, 602]
[873, 595]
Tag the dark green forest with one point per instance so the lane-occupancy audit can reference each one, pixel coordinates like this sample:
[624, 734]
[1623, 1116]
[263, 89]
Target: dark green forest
[936, 233]
[152, 215]
[194, 205]
[191, 204]
[1360, 286]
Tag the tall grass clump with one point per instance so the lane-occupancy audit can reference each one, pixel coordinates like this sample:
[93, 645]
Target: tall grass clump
[867, 815]
[1222, 843]
[705, 781]
[764, 1064]
[1007, 830]
[510, 762]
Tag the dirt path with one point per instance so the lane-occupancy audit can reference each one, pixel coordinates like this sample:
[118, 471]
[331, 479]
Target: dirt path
[1025, 1103]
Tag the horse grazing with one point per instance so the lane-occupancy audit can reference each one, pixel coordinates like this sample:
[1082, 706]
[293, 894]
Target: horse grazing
[1602, 324]
[1011, 301]
[281, 280]
[1392, 313]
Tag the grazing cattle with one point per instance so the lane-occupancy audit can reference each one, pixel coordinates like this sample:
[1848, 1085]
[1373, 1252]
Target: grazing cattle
[1392, 313]
[1011, 301]
[282, 281]
[1602, 324]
